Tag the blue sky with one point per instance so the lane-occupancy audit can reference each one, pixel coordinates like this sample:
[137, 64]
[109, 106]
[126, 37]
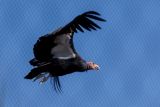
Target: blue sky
[127, 50]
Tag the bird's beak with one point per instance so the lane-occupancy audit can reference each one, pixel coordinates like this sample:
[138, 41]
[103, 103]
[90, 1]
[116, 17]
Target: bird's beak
[96, 67]
[93, 66]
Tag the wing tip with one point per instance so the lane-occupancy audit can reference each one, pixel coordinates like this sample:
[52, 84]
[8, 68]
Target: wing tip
[92, 12]
[80, 22]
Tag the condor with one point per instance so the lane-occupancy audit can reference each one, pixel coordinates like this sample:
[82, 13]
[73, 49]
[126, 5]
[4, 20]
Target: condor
[55, 54]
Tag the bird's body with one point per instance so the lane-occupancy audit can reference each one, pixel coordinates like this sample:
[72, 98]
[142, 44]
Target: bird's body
[55, 53]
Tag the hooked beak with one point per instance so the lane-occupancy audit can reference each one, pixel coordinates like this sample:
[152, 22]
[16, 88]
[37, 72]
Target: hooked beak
[93, 66]
[96, 67]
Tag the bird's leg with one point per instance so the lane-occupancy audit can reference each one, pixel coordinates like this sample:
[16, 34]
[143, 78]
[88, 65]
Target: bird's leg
[93, 66]
[43, 78]
[39, 76]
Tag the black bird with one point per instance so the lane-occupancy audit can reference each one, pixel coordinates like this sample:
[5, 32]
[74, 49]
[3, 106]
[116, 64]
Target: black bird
[55, 54]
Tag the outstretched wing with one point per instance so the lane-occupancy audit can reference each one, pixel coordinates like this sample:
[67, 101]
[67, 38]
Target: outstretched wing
[59, 44]
[83, 21]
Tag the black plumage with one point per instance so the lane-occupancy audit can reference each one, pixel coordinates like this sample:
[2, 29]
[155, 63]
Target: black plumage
[55, 53]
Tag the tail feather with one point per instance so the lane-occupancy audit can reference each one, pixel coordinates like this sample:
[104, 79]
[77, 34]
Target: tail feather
[44, 68]
[38, 70]
[34, 72]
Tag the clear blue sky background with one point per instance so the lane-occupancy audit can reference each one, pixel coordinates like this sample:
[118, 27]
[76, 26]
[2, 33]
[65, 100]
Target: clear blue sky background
[127, 50]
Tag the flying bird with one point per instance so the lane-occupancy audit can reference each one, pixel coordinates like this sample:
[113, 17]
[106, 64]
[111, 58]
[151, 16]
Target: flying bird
[55, 54]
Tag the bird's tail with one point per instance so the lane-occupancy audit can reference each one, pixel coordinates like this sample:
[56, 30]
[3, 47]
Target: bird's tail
[36, 71]
[41, 69]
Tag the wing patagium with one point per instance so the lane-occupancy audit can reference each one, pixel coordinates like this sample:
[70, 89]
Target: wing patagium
[48, 46]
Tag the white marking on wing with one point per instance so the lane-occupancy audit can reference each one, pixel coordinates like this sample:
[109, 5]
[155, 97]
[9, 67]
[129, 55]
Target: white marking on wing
[68, 57]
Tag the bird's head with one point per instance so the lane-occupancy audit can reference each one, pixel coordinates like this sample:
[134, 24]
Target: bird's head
[92, 66]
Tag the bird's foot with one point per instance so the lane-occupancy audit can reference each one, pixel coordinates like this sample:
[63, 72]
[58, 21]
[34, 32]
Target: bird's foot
[43, 80]
[93, 66]
[42, 77]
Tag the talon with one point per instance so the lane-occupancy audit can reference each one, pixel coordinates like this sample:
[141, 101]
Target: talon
[43, 78]
[38, 77]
